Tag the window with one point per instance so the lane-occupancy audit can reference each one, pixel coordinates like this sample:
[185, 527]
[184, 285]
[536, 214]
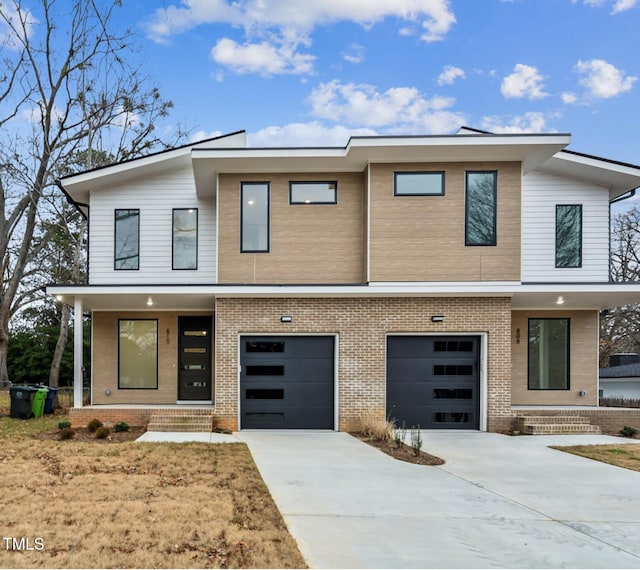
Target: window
[185, 238]
[137, 354]
[480, 208]
[549, 354]
[127, 239]
[254, 217]
[568, 236]
[418, 183]
[313, 192]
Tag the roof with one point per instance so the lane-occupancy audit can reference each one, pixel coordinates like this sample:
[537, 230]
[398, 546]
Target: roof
[622, 371]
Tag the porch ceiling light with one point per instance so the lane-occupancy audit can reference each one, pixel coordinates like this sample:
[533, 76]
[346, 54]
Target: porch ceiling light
[560, 300]
[150, 302]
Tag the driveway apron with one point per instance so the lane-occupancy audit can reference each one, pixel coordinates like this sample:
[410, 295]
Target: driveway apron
[498, 502]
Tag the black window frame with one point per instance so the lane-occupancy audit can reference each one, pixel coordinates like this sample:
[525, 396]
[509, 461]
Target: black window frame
[429, 172]
[115, 239]
[173, 239]
[494, 242]
[157, 321]
[242, 186]
[581, 234]
[293, 202]
[568, 354]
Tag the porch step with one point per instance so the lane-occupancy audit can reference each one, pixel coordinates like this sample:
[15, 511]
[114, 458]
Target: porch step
[555, 425]
[185, 422]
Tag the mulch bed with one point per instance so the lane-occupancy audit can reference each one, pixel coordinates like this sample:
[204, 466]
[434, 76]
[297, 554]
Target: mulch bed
[403, 453]
[83, 434]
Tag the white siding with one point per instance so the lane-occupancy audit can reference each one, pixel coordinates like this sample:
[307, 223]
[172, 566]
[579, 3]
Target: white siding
[541, 192]
[155, 198]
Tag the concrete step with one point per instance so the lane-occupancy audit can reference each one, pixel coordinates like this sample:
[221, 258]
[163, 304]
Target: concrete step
[581, 420]
[180, 422]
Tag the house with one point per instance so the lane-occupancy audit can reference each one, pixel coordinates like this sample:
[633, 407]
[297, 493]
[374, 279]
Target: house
[621, 380]
[448, 281]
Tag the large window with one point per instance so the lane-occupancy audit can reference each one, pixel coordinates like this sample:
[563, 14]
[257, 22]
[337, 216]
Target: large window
[418, 183]
[313, 192]
[569, 235]
[127, 239]
[254, 217]
[549, 354]
[137, 354]
[185, 238]
[481, 204]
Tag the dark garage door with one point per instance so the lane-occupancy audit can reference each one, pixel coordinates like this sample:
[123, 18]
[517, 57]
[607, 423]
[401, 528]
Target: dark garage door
[286, 382]
[433, 381]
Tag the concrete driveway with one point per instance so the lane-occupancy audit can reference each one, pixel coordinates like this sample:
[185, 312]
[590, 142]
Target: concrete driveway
[497, 502]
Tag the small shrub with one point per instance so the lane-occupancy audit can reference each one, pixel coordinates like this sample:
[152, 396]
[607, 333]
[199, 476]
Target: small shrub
[416, 440]
[376, 427]
[66, 433]
[102, 432]
[121, 426]
[64, 425]
[628, 431]
[94, 425]
[399, 434]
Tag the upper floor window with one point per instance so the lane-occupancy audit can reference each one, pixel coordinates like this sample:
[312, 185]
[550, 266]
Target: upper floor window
[548, 354]
[185, 238]
[481, 208]
[254, 217]
[569, 235]
[127, 239]
[418, 183]
[313, 192]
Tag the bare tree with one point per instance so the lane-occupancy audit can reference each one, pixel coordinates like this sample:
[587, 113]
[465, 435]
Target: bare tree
[62, 88]
[620, 326]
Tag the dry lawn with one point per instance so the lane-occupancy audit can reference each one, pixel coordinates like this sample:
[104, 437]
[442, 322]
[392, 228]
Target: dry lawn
[135, 505]
[625, 455]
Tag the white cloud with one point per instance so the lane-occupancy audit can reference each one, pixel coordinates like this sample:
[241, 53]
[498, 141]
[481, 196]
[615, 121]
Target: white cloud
[602, 79]
[355, 54]
[12, 15]
[449, 74]
[531, 122]
[263, 58]
[306, 134]
[623, 6]
[275, 29]
[397, 110]
[569, 98]
[525, 81]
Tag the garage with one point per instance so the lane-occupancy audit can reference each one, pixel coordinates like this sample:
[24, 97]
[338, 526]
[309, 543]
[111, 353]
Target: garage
[287, 382]
[434, 381]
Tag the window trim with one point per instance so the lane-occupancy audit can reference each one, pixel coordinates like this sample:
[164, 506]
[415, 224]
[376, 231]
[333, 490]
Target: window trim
[581, 235]
[268, 248]
[115, 238]
[442, 174]
[173, 259]
[568, 354]
[466, 208]
[157, 386]
[310, 203]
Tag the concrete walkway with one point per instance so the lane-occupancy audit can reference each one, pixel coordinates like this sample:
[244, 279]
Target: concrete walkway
[497, 502]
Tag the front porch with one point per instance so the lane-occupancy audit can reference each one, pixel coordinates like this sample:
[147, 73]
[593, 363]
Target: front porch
[155, 418]
[609, 420]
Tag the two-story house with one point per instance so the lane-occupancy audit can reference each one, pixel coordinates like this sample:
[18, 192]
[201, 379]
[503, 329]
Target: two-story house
[447, 281]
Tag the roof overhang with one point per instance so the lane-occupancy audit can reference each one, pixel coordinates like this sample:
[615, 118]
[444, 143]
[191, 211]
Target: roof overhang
[618, 177]
[530, 150]
[202, 297]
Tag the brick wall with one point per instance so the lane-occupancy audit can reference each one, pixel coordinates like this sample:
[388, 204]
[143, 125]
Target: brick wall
[610, 420]
[362, 325]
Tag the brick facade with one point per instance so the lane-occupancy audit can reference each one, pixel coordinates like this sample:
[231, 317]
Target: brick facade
[361, 326]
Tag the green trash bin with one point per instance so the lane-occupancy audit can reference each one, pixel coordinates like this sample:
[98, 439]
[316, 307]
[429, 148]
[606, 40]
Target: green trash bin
[38, 402]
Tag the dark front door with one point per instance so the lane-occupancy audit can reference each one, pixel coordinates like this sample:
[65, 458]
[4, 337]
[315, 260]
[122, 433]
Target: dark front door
[286, 382]
[433, 381]
[194, 358]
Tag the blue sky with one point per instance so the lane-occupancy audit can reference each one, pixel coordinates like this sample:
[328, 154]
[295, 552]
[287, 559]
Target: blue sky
[313, 72]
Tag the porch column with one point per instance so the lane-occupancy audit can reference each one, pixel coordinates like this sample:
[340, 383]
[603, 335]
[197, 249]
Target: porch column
[78, 363]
